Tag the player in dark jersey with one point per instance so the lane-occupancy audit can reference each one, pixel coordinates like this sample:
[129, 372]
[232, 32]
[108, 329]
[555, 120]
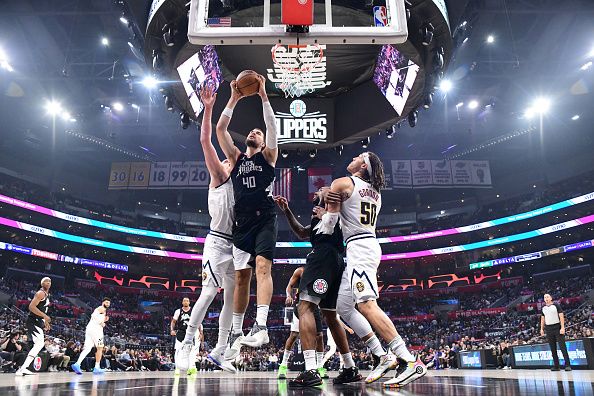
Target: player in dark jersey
[293, 301]
[254, 232]
[319, 287]
[37, 322]
[178, 326]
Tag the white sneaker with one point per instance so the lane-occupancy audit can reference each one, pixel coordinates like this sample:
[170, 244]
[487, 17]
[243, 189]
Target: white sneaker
[257, 337]
[385, 364]
[182, 357]
[23, 371]
[413, 371]
[235, 342]
[218, 358]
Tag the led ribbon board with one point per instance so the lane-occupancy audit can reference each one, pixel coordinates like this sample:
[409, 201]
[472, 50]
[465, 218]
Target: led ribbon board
[395, 239]
[534, 255]
[395, 256]
[61, 257]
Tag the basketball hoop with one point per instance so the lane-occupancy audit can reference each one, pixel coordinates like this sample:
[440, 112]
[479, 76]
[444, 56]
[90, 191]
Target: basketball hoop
[295, 64]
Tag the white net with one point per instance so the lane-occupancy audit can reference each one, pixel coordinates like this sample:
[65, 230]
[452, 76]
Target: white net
[296, 68]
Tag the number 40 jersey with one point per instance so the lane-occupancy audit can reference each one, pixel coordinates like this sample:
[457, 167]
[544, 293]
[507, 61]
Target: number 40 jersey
[253, 179]
[358, 213]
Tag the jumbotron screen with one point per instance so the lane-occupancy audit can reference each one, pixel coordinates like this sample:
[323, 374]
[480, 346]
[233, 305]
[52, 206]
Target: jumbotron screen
[395, 75]
[200, 69]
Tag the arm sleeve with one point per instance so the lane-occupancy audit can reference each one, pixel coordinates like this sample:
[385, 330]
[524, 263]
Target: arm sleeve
[270, 121]
[559, 309]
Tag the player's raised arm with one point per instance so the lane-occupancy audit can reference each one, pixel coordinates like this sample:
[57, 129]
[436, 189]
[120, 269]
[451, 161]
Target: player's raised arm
[213, 164]
[270, 152]
[223, 135]
[299, 230]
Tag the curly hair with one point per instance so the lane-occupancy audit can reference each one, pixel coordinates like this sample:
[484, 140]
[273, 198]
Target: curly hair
[377, 178]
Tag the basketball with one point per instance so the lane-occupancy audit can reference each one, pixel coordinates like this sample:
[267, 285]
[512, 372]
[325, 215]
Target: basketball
[248, 83]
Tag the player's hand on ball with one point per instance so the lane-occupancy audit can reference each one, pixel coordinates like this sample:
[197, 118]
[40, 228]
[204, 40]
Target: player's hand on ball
[173, 332]
[235, 94]
[207, 96]
[262, 88]
[282, 202]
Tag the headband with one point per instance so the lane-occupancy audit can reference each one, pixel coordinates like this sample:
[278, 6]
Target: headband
[368, 163]
[47, 278]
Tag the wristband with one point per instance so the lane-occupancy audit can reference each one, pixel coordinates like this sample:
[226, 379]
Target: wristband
[228, 112]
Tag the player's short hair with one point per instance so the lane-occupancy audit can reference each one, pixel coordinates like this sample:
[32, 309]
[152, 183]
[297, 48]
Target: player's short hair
[106, 299]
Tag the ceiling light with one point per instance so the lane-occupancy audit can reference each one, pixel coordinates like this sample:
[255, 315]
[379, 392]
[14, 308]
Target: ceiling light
[575, 117]
[104, 41]
[445, 85]
[312, 153]
[473, 104]
[365, 142]
[490, 39]
[124, 20]
[465, 40]
[135, 106]
[460, 105]
[184, 120]
[541, 105]
[586, 66]
[66, 116]
[284, 153]
[117, 106]
[150, 82]
[53, 108]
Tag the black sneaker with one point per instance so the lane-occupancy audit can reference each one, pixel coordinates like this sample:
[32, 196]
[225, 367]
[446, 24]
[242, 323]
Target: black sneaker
[555, 369]
[306, 379]
[567, 368]
[347, 375]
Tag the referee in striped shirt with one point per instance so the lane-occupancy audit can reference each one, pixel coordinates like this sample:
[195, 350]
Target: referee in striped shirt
[552, 323]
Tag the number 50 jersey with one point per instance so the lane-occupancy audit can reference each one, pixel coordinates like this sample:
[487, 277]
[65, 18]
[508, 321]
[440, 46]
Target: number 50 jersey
[253, 179]
[358, 213]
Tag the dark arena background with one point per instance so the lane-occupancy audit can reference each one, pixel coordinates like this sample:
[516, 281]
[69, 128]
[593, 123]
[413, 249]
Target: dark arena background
[480, 111]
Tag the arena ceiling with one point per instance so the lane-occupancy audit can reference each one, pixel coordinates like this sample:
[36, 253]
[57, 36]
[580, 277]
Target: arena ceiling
[56, 52]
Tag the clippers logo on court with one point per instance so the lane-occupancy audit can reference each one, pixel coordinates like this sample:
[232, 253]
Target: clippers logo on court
[299, 126]
[37, 363]
[320, 286]
[360, 286]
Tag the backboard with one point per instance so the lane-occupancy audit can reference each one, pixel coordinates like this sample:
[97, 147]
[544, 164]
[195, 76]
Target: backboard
[244, 22]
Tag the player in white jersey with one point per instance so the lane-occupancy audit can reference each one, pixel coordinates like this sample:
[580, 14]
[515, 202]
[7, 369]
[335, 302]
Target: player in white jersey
[358, 211]
[217, 261]
[94, 337]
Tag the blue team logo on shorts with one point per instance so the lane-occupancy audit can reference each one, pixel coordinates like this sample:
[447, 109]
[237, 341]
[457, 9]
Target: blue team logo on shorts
[320, 286]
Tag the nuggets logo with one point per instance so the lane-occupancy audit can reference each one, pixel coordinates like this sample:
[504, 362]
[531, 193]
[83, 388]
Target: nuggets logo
[204, 276]
[320, 286]
[37, 363]
[360, 286]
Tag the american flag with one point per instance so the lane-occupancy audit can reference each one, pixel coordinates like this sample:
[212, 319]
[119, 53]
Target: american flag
[282, 182]
[219, 22]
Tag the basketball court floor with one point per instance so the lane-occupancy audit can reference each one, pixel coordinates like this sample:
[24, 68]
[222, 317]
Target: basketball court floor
[435, 383]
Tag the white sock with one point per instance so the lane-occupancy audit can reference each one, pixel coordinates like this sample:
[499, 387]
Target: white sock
[347, 359]
[286, 356]
[238, 322]
[398, 346]
[98, 365]
[310, 359]
[320, 359]
[262, 314]
[375, 346]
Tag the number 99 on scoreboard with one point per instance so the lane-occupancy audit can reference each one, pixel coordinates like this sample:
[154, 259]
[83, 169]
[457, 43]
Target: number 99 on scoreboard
[147, 175]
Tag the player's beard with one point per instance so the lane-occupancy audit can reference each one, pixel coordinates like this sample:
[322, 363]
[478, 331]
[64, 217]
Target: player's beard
[251, 143]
